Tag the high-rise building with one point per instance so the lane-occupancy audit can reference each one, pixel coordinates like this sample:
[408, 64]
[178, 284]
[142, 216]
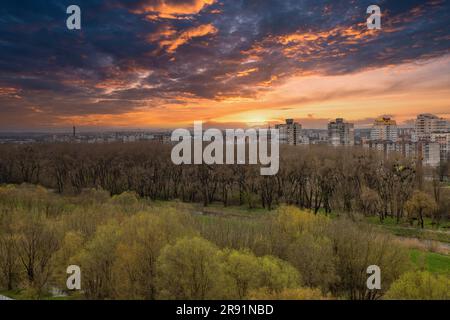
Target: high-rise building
[405, 134]
[384, 129]
[341, 133]
[443, 139]
[290, 132]
[427, 123]
[427, 152]
[430, 153]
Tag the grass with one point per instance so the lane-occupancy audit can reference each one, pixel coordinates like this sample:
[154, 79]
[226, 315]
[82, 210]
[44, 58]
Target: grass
[14, 294]
[428, 223]
[432, 262]
[23, 295]
[214, 209]
[403, 229]
[419, 234]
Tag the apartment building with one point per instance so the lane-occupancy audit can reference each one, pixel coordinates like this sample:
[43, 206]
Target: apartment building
[341, 133]
[290, 132]
[427, 152]
[443, 139]
[384, 128]
[427, 123]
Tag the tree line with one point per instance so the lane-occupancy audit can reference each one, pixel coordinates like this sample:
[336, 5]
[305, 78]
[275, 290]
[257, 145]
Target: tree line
[321, 179]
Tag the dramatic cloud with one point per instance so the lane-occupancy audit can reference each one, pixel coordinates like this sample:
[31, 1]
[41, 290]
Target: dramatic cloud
[140, 62]
[171, 9]
[171, 40]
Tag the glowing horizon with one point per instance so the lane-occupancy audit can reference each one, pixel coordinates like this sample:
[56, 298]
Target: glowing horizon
[359, 97]
[166, 64]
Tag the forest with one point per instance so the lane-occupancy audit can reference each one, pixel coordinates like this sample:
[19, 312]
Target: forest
[140, 227]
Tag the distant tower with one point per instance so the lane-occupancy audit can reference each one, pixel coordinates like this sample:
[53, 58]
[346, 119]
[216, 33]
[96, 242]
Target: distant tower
[341, 133]
[74, 132]
[290, 133]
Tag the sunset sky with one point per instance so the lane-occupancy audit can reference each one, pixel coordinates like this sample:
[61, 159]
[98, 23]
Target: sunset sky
[166, 63]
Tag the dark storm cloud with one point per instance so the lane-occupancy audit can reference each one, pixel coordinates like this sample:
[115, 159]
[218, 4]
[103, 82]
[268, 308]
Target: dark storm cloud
[139, 53]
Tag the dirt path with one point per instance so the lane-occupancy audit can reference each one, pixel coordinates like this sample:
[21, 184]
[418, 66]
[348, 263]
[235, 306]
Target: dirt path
[425, 244]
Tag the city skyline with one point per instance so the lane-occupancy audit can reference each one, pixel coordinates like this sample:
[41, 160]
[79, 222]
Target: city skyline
[165, 64]
[409, 124]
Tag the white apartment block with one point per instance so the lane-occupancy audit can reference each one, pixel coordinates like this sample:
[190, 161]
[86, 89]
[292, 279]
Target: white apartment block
[443, 139]
[384, 129]
[431, 153]
[427, 152]
[426, 124]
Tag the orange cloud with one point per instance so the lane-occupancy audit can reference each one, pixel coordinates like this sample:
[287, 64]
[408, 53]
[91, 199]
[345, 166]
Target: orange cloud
[246, 72]
[172, 9]
[165, 31]
[6, 91]
[123, 80]
[307, 45]
[313, 98]
[171, 40]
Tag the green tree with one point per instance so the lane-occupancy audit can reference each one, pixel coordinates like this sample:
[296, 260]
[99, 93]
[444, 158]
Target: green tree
[97, 260]
[420, 205]
[36, 245]
[357, 247]
[143, 237]
[9, 261]
[287, 294]
[71, 246]
[242, 267]
[420, 286]
[315, 259]
[189, 269]
[289, 224]
[127, 201]
[276, 275]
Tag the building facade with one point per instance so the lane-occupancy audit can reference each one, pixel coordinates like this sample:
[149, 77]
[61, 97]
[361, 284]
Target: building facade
[430, 153]
[427, 123]
[427, 152]
[341, 133]
[290, 132]
[384, 129]
[443, 139]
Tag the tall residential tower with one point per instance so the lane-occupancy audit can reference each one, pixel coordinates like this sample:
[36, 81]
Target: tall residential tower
[384, 129]
[290, 132]
[341, 133]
